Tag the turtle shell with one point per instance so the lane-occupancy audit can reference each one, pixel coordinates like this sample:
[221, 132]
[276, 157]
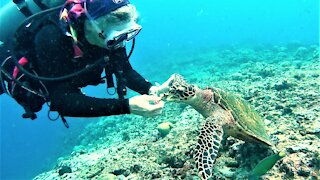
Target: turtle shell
[246, 117]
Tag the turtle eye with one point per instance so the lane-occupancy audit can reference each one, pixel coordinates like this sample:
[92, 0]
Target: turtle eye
[172, 91]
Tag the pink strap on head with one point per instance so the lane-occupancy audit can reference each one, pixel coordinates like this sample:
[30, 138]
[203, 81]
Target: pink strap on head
[76, 9]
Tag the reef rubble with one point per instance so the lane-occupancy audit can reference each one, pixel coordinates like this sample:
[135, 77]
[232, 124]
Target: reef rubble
[280, 82]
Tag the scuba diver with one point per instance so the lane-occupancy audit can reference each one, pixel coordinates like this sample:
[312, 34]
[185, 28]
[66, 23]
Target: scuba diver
[57, 52]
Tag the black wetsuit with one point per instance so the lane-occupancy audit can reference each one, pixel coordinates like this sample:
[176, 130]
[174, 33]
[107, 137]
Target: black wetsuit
[55, 57]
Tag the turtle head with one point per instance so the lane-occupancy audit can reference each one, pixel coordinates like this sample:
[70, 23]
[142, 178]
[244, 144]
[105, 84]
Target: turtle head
[179, 89]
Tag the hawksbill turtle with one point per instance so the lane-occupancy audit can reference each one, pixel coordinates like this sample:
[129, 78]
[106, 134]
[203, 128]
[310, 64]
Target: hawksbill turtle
[226, 114]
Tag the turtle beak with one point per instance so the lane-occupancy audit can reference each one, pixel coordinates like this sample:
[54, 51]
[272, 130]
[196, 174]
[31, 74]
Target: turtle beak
[167, 97]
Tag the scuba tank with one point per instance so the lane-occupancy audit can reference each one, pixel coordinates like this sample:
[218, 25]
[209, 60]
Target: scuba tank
[12, 15]
[15, 12]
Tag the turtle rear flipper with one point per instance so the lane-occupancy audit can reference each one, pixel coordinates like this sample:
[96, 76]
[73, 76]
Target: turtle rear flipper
[208, 146]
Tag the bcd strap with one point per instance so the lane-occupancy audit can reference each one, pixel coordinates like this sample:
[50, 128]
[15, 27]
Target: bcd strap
[23, 7]
[65, 122]
[40, 4]
[118, 60]
[121, 88]
[63, 119]
[109, 80]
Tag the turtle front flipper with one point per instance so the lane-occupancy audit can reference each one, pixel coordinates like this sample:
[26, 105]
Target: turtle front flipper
[208, 146]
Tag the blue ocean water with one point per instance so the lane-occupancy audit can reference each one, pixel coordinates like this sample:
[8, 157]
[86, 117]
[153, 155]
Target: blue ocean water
[31, 147]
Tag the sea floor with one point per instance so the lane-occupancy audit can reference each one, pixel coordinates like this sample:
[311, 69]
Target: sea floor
[281, 82]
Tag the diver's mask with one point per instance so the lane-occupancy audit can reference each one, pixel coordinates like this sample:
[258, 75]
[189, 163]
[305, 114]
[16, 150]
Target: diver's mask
[115, 35]
[119, 38]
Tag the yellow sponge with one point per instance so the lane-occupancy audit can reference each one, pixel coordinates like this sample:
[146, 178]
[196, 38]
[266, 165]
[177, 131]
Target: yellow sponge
[164, 128]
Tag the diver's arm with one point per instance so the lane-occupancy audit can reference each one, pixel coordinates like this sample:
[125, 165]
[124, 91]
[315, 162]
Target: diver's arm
[134, 80]
[75, 104]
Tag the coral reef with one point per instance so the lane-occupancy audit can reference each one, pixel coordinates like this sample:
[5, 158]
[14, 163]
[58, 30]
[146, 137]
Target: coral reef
[280, 82]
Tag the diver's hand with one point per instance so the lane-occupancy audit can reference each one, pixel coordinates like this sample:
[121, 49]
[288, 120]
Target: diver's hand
[145, 105]
[159, 89]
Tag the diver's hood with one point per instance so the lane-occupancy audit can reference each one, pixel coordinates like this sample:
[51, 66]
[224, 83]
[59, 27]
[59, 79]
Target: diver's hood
[98, 8]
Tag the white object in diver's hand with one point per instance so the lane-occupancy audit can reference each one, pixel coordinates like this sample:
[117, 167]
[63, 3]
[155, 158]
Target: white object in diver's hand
[146, 105]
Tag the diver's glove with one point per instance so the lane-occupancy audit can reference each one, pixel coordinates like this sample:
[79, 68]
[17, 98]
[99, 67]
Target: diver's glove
[160, 89]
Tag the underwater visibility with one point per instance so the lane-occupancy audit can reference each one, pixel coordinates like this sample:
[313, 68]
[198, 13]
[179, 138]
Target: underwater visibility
[229, 89]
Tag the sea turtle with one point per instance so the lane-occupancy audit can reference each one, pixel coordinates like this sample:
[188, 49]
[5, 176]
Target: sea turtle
[226, 114]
